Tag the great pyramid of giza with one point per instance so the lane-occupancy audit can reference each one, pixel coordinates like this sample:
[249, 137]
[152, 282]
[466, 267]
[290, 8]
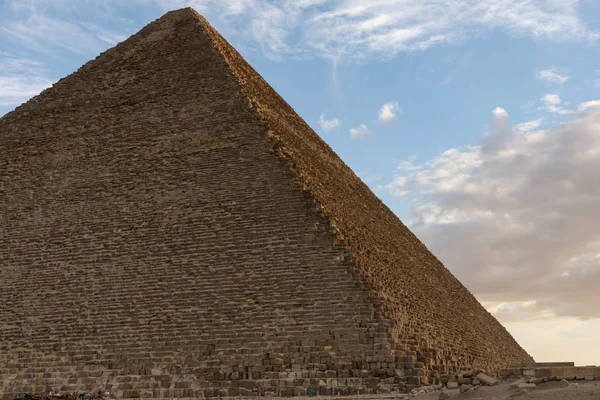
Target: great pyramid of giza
[171, 228]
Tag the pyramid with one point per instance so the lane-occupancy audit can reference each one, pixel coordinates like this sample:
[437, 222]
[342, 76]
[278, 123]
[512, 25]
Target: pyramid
[171, 228]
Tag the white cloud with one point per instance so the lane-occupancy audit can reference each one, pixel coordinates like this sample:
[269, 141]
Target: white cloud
[552, 75]
[358, 133]
[499, 112]
[20, 79]
[529, 125]
[551, 99]
[552, 104]
[334, 28]
[588, 105]
[516, 220]
[328, 124]
[388, 111]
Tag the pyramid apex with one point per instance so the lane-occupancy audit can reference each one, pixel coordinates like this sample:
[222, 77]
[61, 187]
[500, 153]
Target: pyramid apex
[183, 14]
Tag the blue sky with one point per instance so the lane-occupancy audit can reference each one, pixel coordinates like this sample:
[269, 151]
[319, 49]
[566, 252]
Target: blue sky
[476, 122]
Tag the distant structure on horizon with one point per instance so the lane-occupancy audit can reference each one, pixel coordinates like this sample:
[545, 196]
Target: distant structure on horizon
[171, 228]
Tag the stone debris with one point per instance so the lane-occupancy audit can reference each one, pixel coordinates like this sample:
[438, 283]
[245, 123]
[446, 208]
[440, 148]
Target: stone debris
[464, 388]
[527, 385]
[488, 380]
[537, 381]
[516, 383]
[99, 395]
[425, 389]
[552, 371]
[443, 396]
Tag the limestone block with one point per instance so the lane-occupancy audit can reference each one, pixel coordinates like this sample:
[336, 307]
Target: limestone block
[537, 381]
[516, 383]
[557, 373]
[527, 385]
[586, 371]
[487, 380]
[570, 373]
[543, 373]
[465, 388]
[511, 373]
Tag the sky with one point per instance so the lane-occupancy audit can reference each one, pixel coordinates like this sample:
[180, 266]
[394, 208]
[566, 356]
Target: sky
[476, 122]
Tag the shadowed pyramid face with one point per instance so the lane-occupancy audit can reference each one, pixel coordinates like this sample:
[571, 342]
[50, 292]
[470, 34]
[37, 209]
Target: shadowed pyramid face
[171, 227]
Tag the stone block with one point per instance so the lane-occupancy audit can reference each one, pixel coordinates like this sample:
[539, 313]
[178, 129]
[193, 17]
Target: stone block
[570, 373]
[527, 385]
[554, 364]
[487, 380]
[465, 388]
[586, 371]
[510, 373]
[543, 373]
[516, 383]
[452, 385]
[537, 381]
[556, 373]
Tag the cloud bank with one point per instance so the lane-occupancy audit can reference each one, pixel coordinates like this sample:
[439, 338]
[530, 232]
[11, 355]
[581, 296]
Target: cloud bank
[515, 217]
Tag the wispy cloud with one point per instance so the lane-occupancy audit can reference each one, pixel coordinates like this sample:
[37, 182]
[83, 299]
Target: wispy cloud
[46, 27]
[529, 125]
[552, 75]
[360, 132]
[20, 79]
[552, 104]
[328, 124]
[515, 222]
[388, 111]
[334, 29]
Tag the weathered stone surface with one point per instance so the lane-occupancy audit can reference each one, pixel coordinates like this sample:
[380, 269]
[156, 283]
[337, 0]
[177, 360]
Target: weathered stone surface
[452, 385]
[543, 373]
[516, 383]
[216, 237]
[487, 380]
[527, 385]
[537, 381]
[465, 388]
[570, 373]
[506, 373]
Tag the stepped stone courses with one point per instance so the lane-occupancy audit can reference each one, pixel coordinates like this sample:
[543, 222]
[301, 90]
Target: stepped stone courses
[170, 227]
